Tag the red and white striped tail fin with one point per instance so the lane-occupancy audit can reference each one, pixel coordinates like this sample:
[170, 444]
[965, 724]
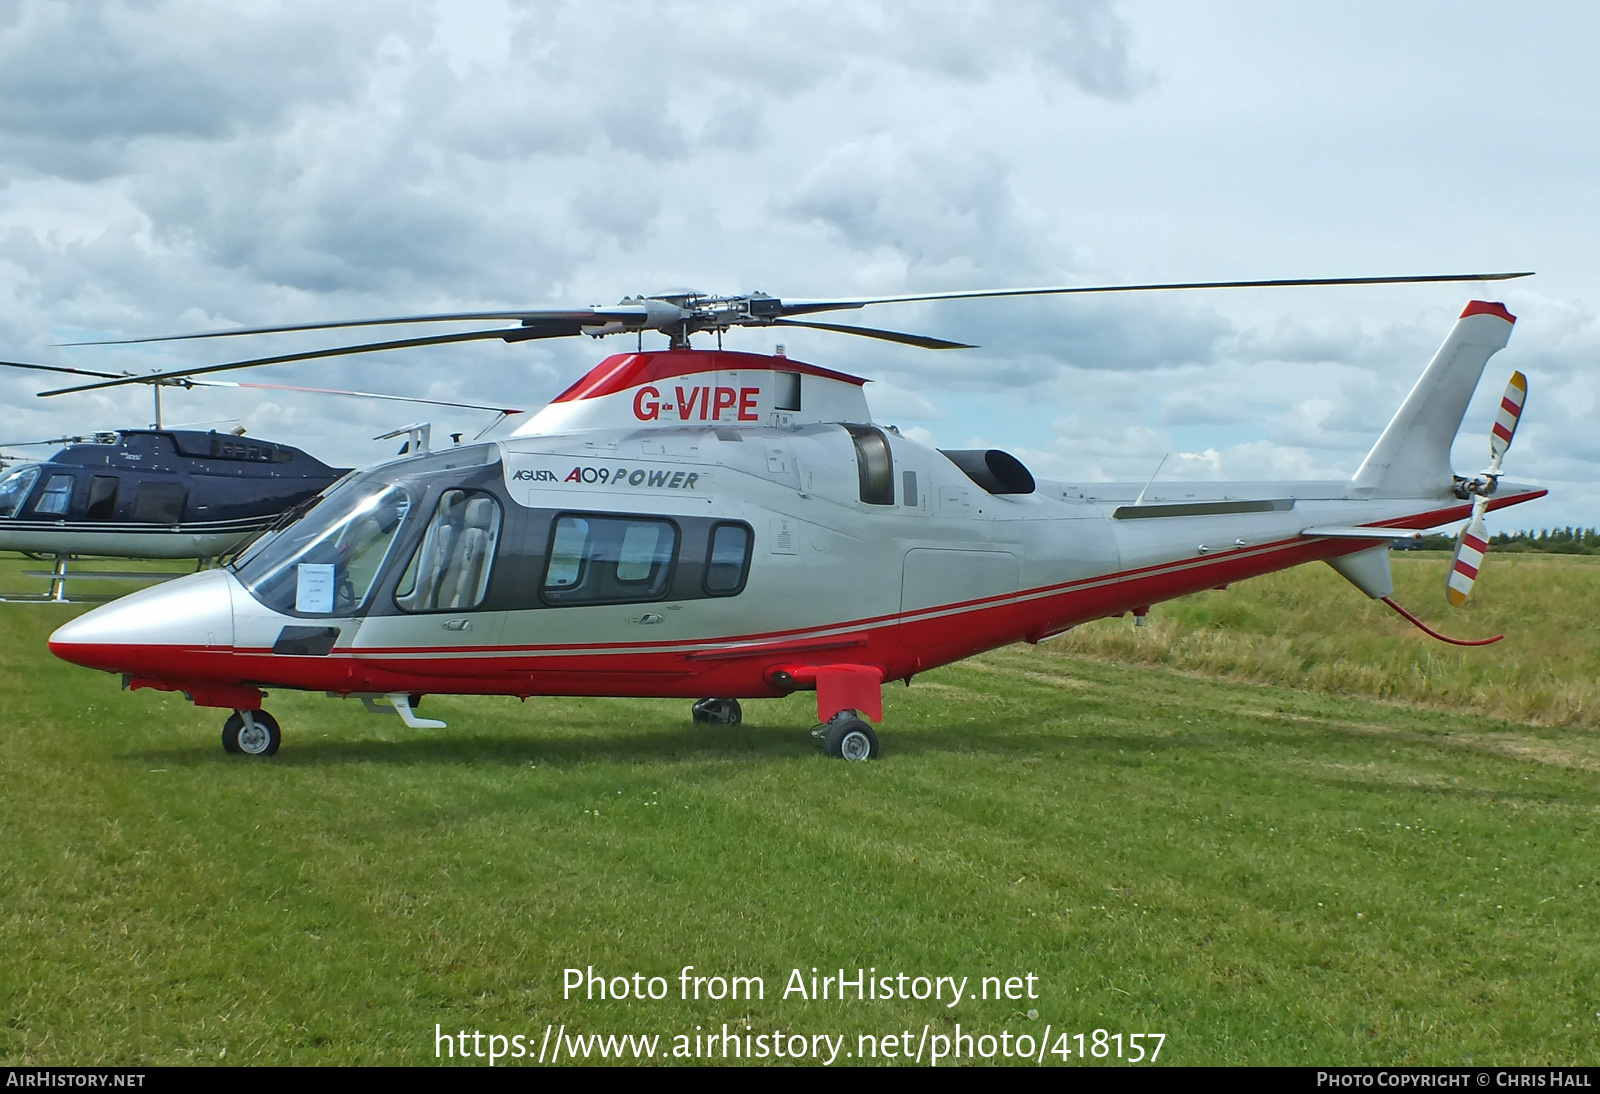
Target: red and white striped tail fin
[1472, 545]
[1505, 423]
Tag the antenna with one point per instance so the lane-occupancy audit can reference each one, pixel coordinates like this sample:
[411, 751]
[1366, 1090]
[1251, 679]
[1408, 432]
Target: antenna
[416, 434]
[1140, 499]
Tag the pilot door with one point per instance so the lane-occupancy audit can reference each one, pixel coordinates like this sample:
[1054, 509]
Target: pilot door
[438, 599]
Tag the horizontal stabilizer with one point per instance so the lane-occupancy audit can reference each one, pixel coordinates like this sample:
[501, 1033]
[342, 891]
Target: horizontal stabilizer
[1344, 532]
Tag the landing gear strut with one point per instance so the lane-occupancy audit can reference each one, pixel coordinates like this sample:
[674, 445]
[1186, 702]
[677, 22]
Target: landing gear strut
[717, 712]
[848, 736]
[251, 733]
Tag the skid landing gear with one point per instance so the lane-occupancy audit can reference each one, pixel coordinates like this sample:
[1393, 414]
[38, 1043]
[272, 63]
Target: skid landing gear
[848, 736]
[251, 733]
[717, 712]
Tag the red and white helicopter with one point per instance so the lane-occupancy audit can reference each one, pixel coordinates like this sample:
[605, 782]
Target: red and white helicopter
[720, 526]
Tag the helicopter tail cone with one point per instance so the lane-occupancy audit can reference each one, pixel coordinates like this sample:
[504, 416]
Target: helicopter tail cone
[154, 630]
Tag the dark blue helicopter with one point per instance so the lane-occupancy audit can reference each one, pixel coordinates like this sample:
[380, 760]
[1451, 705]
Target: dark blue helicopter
[165, 493]
[154, 493]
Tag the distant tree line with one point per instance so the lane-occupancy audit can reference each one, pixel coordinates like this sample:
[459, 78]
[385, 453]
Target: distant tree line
[1558, 541]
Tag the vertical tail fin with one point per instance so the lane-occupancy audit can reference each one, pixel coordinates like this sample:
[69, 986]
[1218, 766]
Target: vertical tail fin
[1413, 455]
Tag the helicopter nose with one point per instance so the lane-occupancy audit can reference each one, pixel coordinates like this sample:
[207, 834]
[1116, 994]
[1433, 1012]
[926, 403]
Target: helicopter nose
[154, 629]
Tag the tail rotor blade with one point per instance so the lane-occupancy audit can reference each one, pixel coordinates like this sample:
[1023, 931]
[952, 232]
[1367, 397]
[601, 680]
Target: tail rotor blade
[1505, 423]
[1473, 542]
[1471, 546]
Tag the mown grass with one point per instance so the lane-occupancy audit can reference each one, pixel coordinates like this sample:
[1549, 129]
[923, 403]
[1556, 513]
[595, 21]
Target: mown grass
[1307, 628]
[1265, 873]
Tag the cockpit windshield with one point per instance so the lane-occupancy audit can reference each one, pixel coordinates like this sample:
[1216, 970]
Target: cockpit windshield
[14, 489]
[325, 563]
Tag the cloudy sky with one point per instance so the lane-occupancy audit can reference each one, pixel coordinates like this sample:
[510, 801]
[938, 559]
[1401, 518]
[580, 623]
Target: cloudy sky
[170, 167]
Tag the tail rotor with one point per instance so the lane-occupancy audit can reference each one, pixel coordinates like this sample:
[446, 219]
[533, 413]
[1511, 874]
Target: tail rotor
[1473, 542]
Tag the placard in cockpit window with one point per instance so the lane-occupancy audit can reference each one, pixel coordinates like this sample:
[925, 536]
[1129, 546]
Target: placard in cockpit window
[313, 590]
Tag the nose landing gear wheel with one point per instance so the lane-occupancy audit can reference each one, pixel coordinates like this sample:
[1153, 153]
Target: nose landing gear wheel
[851, 739]
[260, 736]
[716, 712]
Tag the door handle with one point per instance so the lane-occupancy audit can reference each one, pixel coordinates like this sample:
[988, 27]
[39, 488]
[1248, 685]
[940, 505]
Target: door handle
[458, 624]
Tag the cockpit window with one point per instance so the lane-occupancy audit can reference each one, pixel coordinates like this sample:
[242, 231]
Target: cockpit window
[56, 497]
[326, 562]
[14, 489]
[450, 568]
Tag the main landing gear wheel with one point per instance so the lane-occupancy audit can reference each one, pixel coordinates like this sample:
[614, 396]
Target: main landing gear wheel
[717, 712]
[260, 736]
[851, 739]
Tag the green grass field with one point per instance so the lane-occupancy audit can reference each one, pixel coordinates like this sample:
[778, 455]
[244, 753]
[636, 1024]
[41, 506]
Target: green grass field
[1273, 826]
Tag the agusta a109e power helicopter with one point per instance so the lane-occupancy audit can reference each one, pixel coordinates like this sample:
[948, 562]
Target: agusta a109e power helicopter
[719, 526]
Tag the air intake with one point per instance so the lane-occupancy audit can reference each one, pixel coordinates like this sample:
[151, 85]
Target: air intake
[996, 471]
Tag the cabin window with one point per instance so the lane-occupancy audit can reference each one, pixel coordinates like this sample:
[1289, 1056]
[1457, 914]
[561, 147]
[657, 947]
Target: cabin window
[608, 560]
[450, 568]
[160, 502]
[566, 554]
[14, 490]
[102, 497]
[874, 464]
[56, 497]
[727, 560]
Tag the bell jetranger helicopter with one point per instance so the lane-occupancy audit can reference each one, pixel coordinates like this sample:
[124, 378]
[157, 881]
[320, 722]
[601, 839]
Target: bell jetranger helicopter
[164, 493]
[718, 526]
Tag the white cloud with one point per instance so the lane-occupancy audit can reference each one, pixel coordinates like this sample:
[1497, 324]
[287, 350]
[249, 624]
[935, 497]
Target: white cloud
[179, 165]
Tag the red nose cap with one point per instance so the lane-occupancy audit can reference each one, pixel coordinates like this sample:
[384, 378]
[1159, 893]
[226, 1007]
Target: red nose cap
[1486, 307]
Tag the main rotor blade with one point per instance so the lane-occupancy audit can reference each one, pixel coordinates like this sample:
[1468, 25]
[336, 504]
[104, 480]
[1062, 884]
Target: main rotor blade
[804, 307]
[922, 341]
[513, 334]
[52, 440]
[582, 317]
[60, 368]
[661, 312]
[502, 411]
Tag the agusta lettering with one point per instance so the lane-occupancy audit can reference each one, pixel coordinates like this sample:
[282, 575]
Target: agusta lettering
[703, 403]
